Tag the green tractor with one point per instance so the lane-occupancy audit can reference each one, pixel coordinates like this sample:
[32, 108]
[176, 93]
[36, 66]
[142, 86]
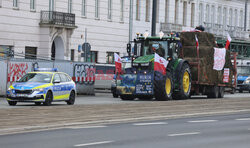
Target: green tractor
[143, 82]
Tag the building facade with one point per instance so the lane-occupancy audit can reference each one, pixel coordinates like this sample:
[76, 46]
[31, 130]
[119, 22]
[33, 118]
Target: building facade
[56, 29]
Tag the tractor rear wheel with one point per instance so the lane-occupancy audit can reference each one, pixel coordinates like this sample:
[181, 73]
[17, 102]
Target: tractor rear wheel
[163, 86]
[221, 92]
[184, 83]
[214, 92]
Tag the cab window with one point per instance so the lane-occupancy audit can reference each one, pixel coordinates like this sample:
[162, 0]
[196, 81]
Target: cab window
[64, 78]
[57, 78]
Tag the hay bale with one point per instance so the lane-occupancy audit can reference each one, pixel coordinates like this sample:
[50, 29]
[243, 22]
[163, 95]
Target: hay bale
[205, 39]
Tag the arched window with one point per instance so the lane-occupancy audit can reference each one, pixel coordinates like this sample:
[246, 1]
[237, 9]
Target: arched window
[207, 19]
[241, 18]
[213, 14]
[230, 17]
[176, 16]
[201, 14]
[225, 16]
[236, 17]
[219, 15]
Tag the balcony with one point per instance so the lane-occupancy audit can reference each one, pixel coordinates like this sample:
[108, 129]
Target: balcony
[220, 30]
[57, 19]
[170, 27]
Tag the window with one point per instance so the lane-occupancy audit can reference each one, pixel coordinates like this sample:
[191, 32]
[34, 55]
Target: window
[213, 14]
[72, 56]
[185, 13]
[0, 3]
[147, 11]
[6, 51]
[176, 15]
[166, 11]
[230, 17]
[56, 78]
[32, 5]
[97, 9]
[122, 11]
[64, 78]
[138, 10]
[69, 6]
[207, 19]
[224, 16]
[201, 14]
[192, 14]
[51, 5]
[15, 3]
[110, 57]
[241, 18]
[109, 9]
[84, 8]
[219, 16]
[236, 17]
[93, 57]
[30, 52]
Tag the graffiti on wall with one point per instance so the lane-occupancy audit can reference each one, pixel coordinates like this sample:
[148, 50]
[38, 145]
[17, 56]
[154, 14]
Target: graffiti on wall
[84, 74]
[16, 71]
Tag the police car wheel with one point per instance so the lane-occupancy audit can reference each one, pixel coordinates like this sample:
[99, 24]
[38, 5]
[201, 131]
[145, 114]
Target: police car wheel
[12, 103]
[48, 99]
[38, 103]
[71, 98]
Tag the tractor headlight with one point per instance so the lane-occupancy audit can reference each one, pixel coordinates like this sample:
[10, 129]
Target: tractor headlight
[135, 64]
[145, 64]
[39, 90]
[9, 89]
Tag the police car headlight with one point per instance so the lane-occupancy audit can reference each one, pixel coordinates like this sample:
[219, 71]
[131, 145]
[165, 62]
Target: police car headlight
[135, 64]
[247, 82]
[40, 89]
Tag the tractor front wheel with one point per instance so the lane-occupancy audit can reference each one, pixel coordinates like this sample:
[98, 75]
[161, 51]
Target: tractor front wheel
[163, 86]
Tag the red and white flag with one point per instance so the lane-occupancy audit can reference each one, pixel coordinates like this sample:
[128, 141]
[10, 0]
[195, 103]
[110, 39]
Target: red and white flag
[160, 64]
[229, 39]
[118, 63]
[197, 42]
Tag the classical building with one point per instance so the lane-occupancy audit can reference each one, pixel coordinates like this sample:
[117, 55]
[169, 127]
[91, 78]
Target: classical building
[56, 29]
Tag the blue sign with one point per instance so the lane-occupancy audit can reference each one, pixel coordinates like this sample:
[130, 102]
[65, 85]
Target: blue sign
[79, 48]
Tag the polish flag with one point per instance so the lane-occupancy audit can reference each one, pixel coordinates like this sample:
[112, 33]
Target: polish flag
[197, 42]
[118, 63]
[229, 39]
[160, 64]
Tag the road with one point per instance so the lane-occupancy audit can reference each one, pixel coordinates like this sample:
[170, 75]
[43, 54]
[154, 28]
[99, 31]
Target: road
[223, 131]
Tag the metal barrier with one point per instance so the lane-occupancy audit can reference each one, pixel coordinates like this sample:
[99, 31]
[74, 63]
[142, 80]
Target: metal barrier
[82, 73]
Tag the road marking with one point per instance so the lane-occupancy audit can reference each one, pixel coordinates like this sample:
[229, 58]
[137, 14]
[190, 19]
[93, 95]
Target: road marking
[153, 123]
[202, 121]
[94, 143]
[184, 134]
[243, 119]
[85, 127]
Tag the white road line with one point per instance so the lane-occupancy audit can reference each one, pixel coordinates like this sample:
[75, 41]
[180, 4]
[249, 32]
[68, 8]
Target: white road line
[184, 134]
[202, 121]
[85, 127]
[153, 123]
[94, 143]
[243, 119]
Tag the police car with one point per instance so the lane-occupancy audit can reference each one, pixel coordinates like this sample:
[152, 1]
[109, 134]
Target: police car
[42, 86]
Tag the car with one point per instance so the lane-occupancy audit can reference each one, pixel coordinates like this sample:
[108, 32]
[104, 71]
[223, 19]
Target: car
[42, 86]
[243, 83]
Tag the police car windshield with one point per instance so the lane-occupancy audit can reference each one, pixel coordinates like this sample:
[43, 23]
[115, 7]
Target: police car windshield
[36, 77]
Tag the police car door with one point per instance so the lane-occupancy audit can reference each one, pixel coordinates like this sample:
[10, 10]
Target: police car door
[65, 86]
[57, 87]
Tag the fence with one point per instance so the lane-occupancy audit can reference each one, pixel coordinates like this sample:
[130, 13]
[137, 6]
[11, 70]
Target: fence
[82, 73]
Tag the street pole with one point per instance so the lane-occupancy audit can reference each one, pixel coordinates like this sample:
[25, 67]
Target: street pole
[154, 18]
[245, 22]
[130, 20]
[85, 53]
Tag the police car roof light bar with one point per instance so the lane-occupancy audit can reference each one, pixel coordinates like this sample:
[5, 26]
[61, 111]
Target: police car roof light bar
[46, 69]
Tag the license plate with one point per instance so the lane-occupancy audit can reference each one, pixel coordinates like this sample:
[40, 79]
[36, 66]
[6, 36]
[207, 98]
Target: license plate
[21, 95]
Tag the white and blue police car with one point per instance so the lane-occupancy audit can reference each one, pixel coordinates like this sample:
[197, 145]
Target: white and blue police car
[42, 86]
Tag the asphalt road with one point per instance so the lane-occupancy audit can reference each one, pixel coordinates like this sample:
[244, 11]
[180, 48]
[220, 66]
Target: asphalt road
[219, 131]
[105, 98]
